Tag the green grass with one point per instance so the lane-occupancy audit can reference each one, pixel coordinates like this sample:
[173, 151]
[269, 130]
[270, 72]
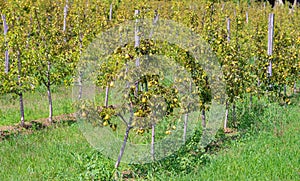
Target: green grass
[271, 154]
[35, 104]
[48, 154]
[266, 157]
[269, 150]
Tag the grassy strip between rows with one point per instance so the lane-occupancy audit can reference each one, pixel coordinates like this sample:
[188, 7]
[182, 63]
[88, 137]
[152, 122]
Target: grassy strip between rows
[36, 105]
[273, 154]
[270, 152]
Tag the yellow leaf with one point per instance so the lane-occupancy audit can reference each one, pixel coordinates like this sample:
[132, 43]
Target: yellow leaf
[168, 132]
[106, 117]
[105, 123]
[111, 84]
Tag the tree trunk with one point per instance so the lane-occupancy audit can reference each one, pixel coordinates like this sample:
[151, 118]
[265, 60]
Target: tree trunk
[228, 29]
[155, 19]
[80, 72]
[128, 128]
[20, 93]
[186, 118]
[6, 43]
[153, 142]
[284, 95]
[123, 147]
[251, 100]
[186, 115]
[80, 85]
[106, 96]
[137, 36]
[226, 117]
[203, 118]
[279, 2]
[49, 93]
[294, 5]
[65, 16]
[50, 104]
[22, 110]
[110, 12]
[234, 114]
[270, 46]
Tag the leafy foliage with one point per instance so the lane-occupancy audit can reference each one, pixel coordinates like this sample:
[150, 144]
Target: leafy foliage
[43, 52]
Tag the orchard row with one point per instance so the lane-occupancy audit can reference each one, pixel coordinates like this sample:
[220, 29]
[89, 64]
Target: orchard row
[42, 42]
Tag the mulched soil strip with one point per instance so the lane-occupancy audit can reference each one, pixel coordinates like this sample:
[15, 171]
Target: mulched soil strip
[30, 127]
[39, 124]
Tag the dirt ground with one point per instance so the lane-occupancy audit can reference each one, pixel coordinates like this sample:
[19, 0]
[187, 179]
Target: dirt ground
[29, 127]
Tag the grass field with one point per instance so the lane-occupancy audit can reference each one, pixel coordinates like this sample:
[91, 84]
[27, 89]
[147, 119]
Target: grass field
[271, 154]
[42, 155]
[62, 153]
[36, 105]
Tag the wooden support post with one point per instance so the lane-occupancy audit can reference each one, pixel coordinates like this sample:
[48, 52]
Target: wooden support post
[270, 45]
[5, 28]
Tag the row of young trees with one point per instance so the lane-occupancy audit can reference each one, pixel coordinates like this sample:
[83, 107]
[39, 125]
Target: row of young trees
[239, 36]
[42, 42]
